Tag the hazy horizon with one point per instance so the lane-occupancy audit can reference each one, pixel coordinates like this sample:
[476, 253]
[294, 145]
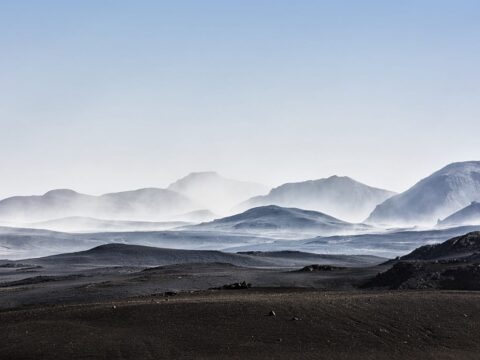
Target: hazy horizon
[103, 96]
[166, 185]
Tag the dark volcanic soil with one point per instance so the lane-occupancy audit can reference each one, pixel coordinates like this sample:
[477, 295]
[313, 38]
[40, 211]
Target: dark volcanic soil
[70, 307]
[235, 325]
[103, 284]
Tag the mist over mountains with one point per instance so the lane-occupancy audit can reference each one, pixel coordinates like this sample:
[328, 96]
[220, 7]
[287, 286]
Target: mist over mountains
[280, 221]
[143, 204]
[469, 215]
[338, 196]
[434, 197]
[78, 224]
[196, 197]
[330, 206]
[216, 192]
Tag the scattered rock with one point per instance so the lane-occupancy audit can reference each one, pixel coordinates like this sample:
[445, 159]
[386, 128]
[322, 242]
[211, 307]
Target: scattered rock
[420, 274]
[234, 286]
[272, 313]
[317, 267]
[295, 318]
[17, 265]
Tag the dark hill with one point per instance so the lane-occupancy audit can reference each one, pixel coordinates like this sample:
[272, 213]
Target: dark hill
[276, 219]
[452, 265]
[459, 246]
[136, 255]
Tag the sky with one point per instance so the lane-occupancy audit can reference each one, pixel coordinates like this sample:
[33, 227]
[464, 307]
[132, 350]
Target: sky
[101, 96]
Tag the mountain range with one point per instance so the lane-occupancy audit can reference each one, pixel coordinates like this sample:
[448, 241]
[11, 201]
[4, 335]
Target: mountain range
[189, 199]
[204, 196]
[143, 204]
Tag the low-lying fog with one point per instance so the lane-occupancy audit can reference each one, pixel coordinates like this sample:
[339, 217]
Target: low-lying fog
[207, 211]
[27, 243]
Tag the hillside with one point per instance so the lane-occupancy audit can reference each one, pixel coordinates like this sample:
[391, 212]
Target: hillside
[274, 219]
[451, 265]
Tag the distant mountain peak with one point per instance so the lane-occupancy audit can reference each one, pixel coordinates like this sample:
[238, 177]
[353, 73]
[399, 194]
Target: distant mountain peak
[462, 166]
[61, 192]
[435, 197]
[339, 177]
[339, 196]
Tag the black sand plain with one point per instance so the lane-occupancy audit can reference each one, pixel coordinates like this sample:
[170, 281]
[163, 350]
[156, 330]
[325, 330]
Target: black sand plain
[112, 302]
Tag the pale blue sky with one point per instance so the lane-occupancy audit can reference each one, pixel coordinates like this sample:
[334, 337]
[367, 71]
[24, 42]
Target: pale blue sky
[110, 95]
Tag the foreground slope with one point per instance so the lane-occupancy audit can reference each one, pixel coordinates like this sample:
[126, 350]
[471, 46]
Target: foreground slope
[435, 197]
[119, 271]
[341, 197]
[235, 325]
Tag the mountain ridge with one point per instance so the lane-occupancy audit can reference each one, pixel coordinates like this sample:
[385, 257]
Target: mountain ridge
[140, 204]
[435, 197]
[339, 196]
[469, 215]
